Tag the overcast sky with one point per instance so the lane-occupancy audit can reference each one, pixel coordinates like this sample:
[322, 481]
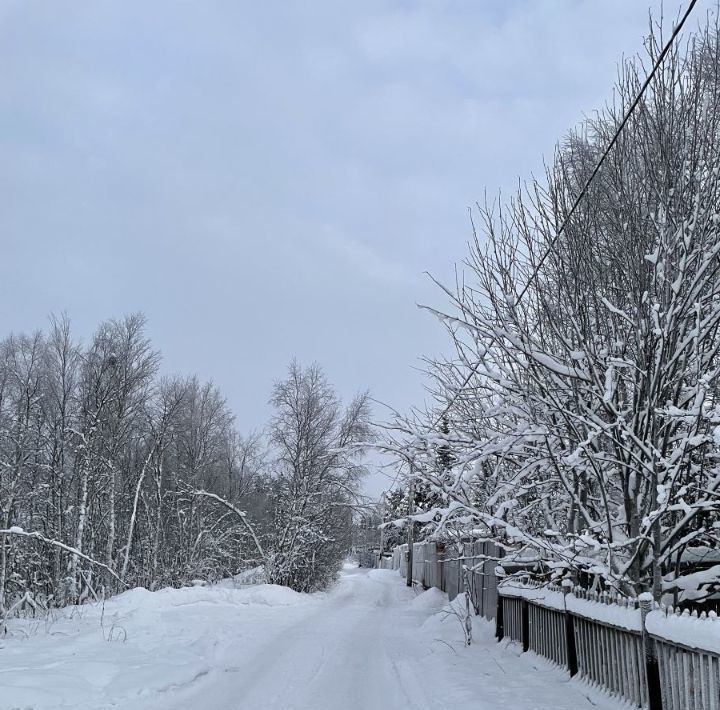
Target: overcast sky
[271, 179]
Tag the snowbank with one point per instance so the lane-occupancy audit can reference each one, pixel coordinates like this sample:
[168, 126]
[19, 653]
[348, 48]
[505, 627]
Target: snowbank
[268, 647]
[139, 647]
[270, 595]
[263, 594]
[430, 600]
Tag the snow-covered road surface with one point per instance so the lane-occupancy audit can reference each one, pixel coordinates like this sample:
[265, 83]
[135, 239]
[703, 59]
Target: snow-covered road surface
[370, 643]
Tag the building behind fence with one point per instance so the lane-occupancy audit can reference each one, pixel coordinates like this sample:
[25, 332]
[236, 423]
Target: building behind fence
[654, 658]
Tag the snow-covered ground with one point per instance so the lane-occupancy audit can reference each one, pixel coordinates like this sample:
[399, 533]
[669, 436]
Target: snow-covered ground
[370, 643]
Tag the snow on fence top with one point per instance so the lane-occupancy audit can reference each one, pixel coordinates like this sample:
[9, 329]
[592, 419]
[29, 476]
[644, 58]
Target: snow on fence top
[621, 612]
[700, 632]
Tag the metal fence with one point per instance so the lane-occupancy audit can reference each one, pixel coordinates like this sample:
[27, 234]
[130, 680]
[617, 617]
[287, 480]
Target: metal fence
[443, 566]
[625, 659]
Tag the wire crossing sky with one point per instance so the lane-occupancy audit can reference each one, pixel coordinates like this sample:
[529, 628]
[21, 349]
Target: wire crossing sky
[583, 191]
[272, 179]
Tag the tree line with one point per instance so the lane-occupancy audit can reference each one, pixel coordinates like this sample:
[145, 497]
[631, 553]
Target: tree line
[582, 393]
[113, 476]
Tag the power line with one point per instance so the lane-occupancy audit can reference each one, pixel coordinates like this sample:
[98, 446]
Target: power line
[586, 186]
[610, 145]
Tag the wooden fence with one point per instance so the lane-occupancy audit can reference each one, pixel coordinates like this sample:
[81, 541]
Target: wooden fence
[690, 673]
[596, 637]
[606, 640]
[620, 645]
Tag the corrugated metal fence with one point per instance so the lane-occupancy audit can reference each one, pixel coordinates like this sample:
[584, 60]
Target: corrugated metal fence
[442, 566]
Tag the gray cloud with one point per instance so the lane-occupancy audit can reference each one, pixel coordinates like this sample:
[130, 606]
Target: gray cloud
[271, 179]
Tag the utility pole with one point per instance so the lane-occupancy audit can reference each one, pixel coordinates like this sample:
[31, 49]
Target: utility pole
[411, 528]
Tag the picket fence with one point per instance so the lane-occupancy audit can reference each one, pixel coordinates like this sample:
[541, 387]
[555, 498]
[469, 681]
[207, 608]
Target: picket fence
[602, 638]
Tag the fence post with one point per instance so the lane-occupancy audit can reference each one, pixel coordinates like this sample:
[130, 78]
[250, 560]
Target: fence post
[651, 663]
[499, 623]
[525, 624]
[441, 567]
[570, 632]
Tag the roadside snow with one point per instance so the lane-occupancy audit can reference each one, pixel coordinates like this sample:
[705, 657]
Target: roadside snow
[431, 600]
[370, 643]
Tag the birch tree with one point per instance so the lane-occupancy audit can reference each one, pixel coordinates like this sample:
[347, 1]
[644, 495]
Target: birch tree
[317, 471]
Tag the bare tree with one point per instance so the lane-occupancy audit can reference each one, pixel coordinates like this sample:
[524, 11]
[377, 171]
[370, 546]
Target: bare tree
[317, 467]
[585, 411]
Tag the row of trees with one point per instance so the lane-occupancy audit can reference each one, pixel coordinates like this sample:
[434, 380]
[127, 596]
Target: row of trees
[112, 476]
[582, 397]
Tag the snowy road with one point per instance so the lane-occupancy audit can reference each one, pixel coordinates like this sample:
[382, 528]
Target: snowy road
[371, 643]
[343, 654]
